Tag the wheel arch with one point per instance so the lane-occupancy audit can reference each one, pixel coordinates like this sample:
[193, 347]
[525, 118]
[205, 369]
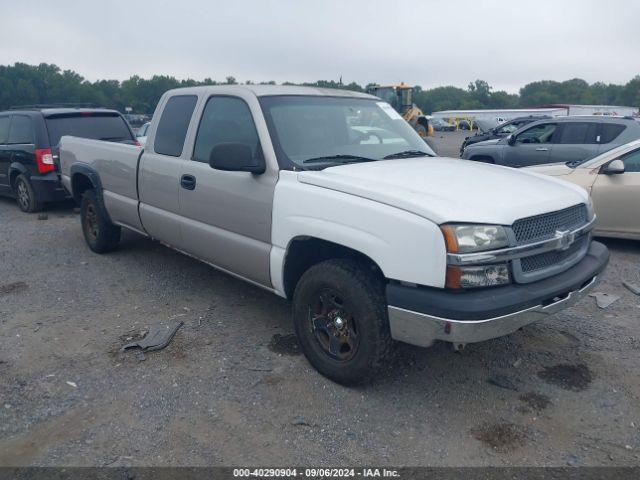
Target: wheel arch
[305, 251]
[84, 178]
[16, 169]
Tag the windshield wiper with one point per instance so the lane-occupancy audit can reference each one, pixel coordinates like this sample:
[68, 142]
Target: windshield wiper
[339, 159]
[408, 154]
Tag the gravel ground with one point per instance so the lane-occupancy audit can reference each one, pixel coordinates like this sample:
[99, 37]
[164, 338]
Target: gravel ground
[233, 389]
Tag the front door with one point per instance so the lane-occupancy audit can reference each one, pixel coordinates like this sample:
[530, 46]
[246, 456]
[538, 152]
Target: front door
[616, 198]
[532, 146]
[226, 217]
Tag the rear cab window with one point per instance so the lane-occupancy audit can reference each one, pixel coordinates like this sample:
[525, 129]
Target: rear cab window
[97, 126]
[21, 131]
[173, 125]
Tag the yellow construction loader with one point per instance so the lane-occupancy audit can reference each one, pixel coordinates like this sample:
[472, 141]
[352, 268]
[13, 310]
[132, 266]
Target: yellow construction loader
[400, 97]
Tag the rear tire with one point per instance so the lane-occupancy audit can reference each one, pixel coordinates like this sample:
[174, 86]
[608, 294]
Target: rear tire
[26, 195]
[340, 319]
[101, 235]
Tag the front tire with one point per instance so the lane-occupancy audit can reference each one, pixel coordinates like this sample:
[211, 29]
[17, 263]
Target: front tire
[26, 195]
[101, 235]
[340, 319]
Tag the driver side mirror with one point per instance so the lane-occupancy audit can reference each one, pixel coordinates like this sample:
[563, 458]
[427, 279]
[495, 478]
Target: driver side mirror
[511, 140]
[235, 157]
[615, 167]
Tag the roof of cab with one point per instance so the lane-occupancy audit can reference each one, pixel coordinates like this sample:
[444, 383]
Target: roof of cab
[270, 90]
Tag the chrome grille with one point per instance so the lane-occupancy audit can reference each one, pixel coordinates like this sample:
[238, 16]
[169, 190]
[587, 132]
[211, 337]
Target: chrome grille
[543, 227]
[553, 258]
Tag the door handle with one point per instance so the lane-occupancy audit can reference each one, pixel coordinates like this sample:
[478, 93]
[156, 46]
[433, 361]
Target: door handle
[188, 182]
[542, 149]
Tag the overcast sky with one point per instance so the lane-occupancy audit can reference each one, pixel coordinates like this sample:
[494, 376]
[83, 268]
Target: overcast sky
[424, 42]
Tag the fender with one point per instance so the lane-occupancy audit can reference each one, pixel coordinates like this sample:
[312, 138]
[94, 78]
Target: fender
[405, 246]
[17, 167]
[90, 173]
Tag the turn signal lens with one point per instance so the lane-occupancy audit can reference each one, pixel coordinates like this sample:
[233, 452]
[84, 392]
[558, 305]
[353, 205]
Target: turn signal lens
[477, 276]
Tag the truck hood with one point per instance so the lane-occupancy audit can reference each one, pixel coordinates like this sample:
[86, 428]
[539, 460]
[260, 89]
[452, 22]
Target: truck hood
[450, 190]
[553, 169]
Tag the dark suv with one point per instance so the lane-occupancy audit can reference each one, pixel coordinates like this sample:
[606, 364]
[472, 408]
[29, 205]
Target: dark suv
[29, 137]
[502, 130]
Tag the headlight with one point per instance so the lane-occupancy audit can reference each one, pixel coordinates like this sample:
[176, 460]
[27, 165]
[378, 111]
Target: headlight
[474, 238]
[591, 214]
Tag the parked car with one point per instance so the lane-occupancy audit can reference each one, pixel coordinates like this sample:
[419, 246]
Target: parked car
[135, 119]
[28, 148]
[141, 134]
[561, 139]
[613, 180]
[372, 241]
[500, 131]
[440, 125]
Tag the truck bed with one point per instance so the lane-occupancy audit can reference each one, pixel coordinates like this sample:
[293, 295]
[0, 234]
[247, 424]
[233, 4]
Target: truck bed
[117, 167]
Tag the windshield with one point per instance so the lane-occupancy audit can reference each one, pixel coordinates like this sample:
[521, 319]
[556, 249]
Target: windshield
[324, 131]
[94, 126]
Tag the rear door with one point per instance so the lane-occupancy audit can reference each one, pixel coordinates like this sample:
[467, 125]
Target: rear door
[532, 146]
[575, 141]
[226, 216]
[161, 168]
[610, 136]
[617, 198]
[21, 143]
[5, 155]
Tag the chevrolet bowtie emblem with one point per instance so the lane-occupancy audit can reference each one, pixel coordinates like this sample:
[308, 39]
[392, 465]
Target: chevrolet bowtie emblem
[565, 239]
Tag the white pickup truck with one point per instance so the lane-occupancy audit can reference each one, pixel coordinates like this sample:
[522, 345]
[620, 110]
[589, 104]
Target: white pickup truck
[330, 199]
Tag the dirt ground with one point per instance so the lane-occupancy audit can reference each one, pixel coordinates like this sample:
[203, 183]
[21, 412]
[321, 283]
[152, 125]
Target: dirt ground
[233, 389]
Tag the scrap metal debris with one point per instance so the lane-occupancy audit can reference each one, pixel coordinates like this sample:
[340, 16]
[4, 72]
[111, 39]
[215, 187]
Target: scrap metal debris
[632, 287]
[603, 300]
[158, 337]
[14, 287]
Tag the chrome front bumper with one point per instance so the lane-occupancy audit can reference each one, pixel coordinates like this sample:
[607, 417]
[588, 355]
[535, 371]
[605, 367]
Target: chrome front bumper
[423, 329]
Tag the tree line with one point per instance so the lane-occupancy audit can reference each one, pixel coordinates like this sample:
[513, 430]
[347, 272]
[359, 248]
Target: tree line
[23, 84]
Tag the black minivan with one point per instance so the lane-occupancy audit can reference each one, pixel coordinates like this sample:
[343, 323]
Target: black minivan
[29, 137]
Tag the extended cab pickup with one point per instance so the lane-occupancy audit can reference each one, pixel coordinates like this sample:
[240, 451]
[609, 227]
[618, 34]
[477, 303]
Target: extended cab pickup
[330, 199]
